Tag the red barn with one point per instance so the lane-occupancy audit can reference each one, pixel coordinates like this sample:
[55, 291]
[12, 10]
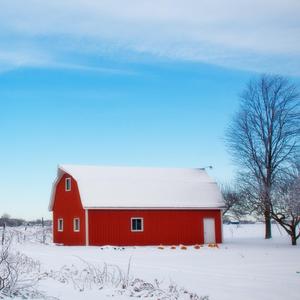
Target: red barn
[135, 206]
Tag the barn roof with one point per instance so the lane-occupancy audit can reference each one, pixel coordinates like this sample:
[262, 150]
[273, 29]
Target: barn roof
[136, 187]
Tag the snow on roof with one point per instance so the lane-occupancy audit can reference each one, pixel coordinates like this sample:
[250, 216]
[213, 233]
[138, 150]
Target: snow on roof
[136, 187]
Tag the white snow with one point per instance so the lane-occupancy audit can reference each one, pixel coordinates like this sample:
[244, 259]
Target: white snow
[245, 267]
[135, 187]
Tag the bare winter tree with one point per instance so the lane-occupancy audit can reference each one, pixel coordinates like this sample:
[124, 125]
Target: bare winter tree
[285, 208]
[263, 138]
[234, 204]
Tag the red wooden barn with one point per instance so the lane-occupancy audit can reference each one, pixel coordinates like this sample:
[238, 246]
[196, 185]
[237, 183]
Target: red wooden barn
[135, 206]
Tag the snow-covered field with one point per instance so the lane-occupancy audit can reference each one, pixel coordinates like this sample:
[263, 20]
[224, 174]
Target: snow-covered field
[244, 267]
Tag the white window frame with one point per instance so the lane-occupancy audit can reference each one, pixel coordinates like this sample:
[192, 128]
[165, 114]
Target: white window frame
[68, 179]
[142, 224]
[74, 225]
[60, 221]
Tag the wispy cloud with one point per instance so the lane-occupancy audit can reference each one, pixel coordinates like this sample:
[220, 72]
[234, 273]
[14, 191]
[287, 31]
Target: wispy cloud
[252, 35]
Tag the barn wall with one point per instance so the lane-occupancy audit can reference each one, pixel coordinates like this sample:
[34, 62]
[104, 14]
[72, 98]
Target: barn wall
[67, 205]
[167, 227]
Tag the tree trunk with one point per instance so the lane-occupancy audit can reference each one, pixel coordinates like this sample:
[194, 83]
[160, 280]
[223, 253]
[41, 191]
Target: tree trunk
[293, 237]
[268, 230]
[267, 213]
[3, 234]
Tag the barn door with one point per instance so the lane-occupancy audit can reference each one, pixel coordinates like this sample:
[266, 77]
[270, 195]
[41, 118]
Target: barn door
[209, 230]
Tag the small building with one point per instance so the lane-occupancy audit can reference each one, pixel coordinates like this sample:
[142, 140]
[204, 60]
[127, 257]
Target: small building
[125, 206]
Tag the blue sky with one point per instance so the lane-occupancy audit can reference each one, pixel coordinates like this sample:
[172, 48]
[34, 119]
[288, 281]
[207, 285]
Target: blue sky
[145, 84]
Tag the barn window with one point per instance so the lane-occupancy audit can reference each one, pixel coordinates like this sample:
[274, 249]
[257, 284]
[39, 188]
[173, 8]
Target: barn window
[137, 224]
[76, 224]
[68, 184]
[60, 224]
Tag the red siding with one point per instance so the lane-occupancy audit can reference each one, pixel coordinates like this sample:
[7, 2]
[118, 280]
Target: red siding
[167, 227]
[67, 205]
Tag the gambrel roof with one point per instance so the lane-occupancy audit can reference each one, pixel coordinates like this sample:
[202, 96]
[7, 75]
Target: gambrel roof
[136, 187]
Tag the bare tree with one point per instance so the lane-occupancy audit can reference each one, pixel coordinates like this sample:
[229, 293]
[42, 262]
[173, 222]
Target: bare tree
[285, 208]
[263, 137]
[234, 205]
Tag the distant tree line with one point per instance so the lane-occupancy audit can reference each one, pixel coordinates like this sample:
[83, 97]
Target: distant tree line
[7, 220]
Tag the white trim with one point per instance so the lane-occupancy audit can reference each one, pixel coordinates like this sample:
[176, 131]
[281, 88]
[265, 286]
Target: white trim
[152, 208]
[68, 179]
[74, 225]
[86, 227]
[60, 228]
[142, 224]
